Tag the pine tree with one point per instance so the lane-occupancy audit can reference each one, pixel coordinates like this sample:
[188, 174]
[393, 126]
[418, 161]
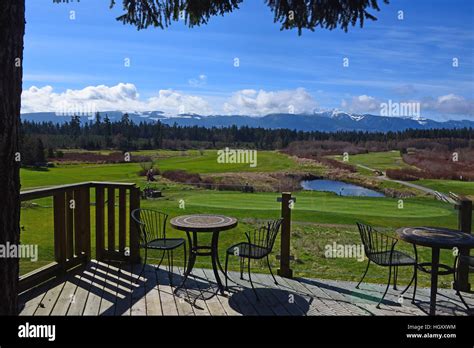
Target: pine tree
[39, 152]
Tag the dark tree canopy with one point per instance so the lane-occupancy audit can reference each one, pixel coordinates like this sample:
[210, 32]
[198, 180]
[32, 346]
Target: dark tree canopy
[300, 14]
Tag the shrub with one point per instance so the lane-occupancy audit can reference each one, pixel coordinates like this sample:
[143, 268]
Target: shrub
[145, 167]
[182, 176]
[405, 174]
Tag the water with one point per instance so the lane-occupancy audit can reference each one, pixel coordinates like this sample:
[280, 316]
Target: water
[340, 188]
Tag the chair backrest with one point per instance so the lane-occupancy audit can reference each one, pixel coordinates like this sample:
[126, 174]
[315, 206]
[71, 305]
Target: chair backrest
[265, 235]
[468, 260]
[374, 241]
[152, 224]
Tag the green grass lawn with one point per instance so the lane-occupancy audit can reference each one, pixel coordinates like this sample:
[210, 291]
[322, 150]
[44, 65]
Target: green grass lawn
[267, 161]
[376, 160]
[74, 173]
[459, 187]
[192, 161]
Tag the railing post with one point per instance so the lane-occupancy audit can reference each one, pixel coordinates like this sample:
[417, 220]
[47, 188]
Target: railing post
[86, 216]
[111, 219]
[59, 207]
[465, 225]
[134, 240]
[285, 270]
[99, 223]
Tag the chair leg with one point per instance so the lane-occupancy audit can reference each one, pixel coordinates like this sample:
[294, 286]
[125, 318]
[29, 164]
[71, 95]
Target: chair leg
[251, 283]
[172, 268]
[144, 264]
[415, 271]
[185, 257]
[268, 263]
[416, 283]
[242, 268]
[411, 282]
[464, 302]
[395, 277]
[457, 291]
[366, 269]
[225, 270]
[388, 286]
[161, 260]
[169, 267]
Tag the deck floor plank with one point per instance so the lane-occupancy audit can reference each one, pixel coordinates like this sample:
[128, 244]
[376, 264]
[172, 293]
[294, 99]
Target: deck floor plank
[109, 300]
[84, 283]
[114, 289]
[213, 305]
[138, 293]
[247, 302]
[49, 300]
[168, 302]
[123, 298]
[66, 297]
[152, 293]
[285, 297]
[96, 290]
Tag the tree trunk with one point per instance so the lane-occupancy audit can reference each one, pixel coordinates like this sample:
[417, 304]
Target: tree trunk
[12, 29]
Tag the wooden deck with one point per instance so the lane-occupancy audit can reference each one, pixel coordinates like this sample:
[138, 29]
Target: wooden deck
[105, 289]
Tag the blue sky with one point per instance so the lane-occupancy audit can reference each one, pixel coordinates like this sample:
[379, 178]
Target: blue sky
[84, 60]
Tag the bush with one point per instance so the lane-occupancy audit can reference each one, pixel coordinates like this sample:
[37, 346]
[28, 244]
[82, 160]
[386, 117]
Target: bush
[406, 174]
[337, 164]
[145, 167]
[182, 176]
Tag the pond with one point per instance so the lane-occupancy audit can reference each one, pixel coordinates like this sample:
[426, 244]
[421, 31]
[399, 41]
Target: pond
[339, 187]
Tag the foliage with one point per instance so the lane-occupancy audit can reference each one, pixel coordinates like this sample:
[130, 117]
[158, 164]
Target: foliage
[300, 14]
[127, 135]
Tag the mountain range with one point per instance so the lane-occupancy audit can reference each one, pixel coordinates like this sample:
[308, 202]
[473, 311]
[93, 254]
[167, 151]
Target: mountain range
[326, 121]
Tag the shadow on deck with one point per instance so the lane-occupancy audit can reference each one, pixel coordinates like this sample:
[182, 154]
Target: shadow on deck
[111, 289]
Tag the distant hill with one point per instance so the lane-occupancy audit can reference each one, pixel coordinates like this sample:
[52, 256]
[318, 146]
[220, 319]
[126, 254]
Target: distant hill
[329, 121]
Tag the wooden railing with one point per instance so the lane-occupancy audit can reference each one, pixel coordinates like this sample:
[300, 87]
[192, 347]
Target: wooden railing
[463, 205]
[72, 226]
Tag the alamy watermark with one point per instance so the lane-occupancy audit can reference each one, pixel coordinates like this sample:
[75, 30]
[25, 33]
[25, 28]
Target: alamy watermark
[344, 251]
[237, 156]
[21, 251]
[76, 109]
[409, 109]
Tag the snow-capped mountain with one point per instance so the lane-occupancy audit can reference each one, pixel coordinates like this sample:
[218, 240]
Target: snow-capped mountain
[325, 121]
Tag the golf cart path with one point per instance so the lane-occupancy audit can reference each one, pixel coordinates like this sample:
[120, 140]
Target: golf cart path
[436, 194]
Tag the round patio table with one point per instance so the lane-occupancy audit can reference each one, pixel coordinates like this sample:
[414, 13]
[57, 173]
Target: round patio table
[436, 238]
[203, 223]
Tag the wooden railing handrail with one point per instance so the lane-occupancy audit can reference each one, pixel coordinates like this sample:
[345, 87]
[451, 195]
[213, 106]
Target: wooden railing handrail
[72, 226]
[49, 191]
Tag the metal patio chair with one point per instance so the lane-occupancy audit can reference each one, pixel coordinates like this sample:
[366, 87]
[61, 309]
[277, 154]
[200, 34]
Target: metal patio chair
[152, 231]
[380, 249]
[469, 260]
[259, 245]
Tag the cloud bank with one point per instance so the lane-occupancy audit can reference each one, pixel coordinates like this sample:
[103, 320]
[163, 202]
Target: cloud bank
[125, 97]
[252, 102]
[449, 104]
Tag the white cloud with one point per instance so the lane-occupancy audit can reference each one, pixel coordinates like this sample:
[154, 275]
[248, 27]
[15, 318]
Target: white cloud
[361, 104]
[252, 102]
[125, 97]
[122, 97]
[449, 104]
[200, 81]
[174, 102]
